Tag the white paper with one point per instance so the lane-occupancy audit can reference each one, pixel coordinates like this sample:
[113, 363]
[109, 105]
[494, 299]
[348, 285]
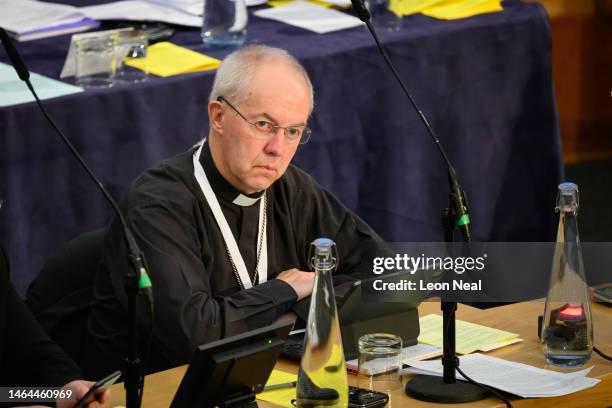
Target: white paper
[14, 91]
[516, 378]
[20, 16]
[310, 17]
[140, 10]
[194, 7]
[251, 3]
[339, 3]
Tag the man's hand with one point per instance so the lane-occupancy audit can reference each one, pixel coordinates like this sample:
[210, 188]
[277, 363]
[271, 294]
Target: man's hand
[300, 281]
[101, 398]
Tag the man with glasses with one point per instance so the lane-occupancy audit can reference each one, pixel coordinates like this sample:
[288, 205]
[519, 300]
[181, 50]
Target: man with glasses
[226, 226]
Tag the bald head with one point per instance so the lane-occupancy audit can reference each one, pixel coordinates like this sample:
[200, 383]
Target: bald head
[238, 70]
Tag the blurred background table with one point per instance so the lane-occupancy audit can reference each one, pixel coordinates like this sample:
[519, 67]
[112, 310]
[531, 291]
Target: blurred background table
[484, 82]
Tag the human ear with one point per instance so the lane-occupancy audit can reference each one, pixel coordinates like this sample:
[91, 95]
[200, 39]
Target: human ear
[215, 116]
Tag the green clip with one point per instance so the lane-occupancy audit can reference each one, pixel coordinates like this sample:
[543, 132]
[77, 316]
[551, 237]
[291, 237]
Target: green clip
[144, 281]
[463, 220]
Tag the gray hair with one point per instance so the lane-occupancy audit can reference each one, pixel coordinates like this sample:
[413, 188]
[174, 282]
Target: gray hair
[234, 75]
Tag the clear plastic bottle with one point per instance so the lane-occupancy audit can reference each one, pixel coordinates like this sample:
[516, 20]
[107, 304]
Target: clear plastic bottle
[322, 379]
[224, 23]
[567, 331]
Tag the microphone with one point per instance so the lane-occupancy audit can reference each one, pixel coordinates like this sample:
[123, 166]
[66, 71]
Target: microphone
[24, 75]
[428, 388]
[16, 60]
[362, 11]
[137, 280]
[459, 206]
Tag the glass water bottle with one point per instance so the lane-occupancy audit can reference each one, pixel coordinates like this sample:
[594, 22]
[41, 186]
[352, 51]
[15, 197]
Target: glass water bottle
[567, 332]
[224, 23]
[322, 379]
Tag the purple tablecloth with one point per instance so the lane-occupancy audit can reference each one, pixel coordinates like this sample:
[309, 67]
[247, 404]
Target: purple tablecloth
[485, 84]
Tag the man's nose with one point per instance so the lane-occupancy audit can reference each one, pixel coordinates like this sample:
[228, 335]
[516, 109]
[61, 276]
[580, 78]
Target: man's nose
[277, 141]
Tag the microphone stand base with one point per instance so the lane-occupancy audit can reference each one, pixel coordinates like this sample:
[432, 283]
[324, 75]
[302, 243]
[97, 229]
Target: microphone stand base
[433, 389]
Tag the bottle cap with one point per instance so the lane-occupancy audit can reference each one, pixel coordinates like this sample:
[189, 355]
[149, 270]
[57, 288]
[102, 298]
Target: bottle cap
[567, 200]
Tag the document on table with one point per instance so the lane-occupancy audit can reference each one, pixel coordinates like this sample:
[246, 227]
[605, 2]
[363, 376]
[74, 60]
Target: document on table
[281, 396]
[25, 15]
[195, 7]
[138, 10]
[516, 378]
[310, 17]
[30, 19]
[463, 9]
[470, 336]
[14, 91]
[166, 59]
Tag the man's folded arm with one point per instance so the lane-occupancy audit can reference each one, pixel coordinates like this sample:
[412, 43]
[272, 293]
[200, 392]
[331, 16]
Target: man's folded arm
[356, 241]
[186, 312]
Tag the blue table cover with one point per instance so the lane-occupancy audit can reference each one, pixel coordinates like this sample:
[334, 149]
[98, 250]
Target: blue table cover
[484, 82]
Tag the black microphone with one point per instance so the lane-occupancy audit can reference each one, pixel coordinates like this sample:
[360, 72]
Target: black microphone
[24, 75]
[459, 207]
[16, 60]
[429, 388]
[362, 11]
[137, 279]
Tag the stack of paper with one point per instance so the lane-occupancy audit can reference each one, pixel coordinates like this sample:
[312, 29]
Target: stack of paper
[516, 378]
[310, 17]
[445, 9]
[469, 336]
[410, 354]
[141, 10]
[195, 7]
[29, 19]
[342, 4]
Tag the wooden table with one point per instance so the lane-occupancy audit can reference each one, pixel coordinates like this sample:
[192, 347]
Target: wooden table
[519, 318]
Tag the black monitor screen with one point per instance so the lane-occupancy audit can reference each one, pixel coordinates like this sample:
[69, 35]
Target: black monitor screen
[231, 369]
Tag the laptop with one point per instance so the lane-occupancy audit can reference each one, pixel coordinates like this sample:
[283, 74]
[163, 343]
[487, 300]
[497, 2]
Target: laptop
[357, 318]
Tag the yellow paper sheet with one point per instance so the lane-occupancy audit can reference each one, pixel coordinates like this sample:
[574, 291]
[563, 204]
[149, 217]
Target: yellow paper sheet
[320, 371]
[166, 59]
[470, 336]
[278, 3]
[407, 7]
[282, 396]
[456, 9]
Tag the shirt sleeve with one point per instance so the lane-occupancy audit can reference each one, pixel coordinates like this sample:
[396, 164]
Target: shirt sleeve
[31, 357]
[187, 310]
[355, 240]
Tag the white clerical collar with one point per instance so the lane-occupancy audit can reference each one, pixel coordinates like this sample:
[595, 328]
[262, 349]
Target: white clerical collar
[221, 186]
[245, 201]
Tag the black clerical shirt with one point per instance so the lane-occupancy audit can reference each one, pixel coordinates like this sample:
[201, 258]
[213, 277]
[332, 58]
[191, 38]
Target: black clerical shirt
[197, 296]
[28, 357]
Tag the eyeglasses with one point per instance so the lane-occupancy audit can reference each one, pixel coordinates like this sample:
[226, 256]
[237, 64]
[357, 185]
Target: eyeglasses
[265, 129]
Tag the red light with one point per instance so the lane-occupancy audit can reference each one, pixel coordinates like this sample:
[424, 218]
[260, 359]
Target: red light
[572, 312]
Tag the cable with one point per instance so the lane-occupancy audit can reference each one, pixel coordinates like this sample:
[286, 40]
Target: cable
[602, 354]
[471, 381]
[484, 387]
[145, 359]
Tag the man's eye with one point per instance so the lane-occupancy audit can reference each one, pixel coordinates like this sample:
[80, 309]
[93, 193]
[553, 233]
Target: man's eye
[263, 125]
[294, 133]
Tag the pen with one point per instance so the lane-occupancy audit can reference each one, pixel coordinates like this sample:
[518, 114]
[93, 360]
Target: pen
[279, 386]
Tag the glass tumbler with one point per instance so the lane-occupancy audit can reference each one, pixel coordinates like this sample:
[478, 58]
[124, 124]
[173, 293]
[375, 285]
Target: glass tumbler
[380, 362]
